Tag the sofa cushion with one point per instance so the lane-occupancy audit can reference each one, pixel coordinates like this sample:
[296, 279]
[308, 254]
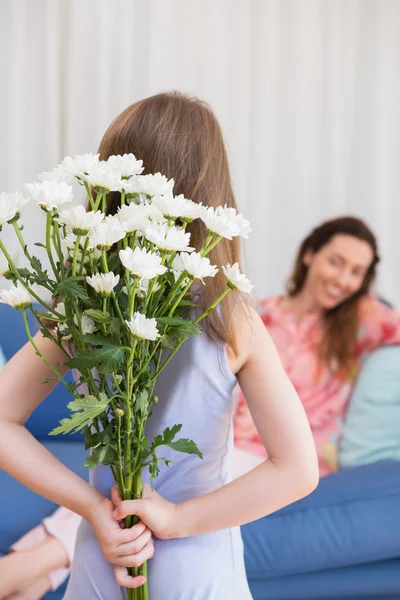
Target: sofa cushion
[351, 518]
[371, 430]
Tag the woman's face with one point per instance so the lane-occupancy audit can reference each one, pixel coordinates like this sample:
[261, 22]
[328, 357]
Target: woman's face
[337, 270]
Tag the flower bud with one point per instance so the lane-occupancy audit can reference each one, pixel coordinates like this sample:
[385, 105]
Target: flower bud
[155, 399]
[118, 412]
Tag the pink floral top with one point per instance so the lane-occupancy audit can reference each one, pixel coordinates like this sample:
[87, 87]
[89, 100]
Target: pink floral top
[324, 395]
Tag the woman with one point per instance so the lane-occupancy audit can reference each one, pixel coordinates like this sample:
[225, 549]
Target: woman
[323, 327]
[195, 513]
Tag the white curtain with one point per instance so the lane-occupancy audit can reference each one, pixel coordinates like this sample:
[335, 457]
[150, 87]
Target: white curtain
[308, 95]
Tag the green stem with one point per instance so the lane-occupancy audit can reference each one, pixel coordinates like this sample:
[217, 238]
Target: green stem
[120, 468]
[90, 196]
[75, 256]
[213, 305]
[27, 253]
[180, 297]
[53, 337]
[48, 245]
[46, 362]
[19, 278]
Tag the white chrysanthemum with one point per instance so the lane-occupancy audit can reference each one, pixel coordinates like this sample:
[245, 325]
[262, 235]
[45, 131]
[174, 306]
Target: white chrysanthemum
[174, 207]
[80, 165]
[11, 205]
[242, 224]
[87, 324]
[169, 239]
[154, 185]
[79, 220]
[126, 165]
[219, 223]
[196, 265]
[5, 269]
[142, 263]
[104, 178]
[108, 233]
[56, 174]
[17, 296]
[236, 279]
[50, 194]
[103, 283]
[143, 328]
[136, 217]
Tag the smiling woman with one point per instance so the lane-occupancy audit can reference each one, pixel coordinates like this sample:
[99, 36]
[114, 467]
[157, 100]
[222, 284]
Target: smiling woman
[323, 328]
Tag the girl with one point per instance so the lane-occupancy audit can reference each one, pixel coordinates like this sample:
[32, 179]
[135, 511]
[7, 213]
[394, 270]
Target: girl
[323, 328]
[195, 510]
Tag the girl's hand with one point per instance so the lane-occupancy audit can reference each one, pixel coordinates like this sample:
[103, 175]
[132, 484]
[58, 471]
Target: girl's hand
[121, 547]
[158, 514]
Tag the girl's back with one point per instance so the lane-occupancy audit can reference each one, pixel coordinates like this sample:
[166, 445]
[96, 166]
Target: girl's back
[195, 390]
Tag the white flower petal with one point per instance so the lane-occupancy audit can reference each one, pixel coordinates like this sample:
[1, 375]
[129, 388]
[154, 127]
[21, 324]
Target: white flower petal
[127, 165]
[78, 166]
[103, 283]
[11, 205]
[79, 220]
[17, 296]
[50, 194]
[143, 328]
[169, 239]
[237, 279]
[196, 265]
[142, 263]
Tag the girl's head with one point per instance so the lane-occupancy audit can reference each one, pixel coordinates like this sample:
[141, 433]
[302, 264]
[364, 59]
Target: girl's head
[180, 137]
[336, 262]
[336, 266]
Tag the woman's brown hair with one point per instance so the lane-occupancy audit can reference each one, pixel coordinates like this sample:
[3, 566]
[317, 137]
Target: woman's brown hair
[179, 136]
[341, 324]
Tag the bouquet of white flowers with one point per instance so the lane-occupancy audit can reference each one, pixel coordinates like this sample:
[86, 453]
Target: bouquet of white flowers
[123, 300]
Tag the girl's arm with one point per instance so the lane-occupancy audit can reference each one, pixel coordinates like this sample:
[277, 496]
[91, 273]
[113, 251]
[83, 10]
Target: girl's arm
[289, 473]
[25, 459]
[21, 455]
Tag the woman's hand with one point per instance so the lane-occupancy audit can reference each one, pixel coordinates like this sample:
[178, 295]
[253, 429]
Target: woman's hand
[159, 515]
[121, 547]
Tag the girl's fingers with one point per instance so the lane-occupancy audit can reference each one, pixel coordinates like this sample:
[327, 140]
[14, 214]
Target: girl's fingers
[127, 581]
[129, 507]
[137, 559]
[130, 534]
[135, 546]
[115, 495]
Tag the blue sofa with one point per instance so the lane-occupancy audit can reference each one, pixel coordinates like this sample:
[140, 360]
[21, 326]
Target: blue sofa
[341, 542]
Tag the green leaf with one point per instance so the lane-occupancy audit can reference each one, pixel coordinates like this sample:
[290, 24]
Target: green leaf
[98, 316]
[111, 456]
[186, 446]
[25, 274]
[96, 457]
[71, 287]
[142, 401]
[86, 409]
[164, 438]
[36, 264]
[166, 341]
[180, 328]
[40, 245]
[105, 359]
[114, 326]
